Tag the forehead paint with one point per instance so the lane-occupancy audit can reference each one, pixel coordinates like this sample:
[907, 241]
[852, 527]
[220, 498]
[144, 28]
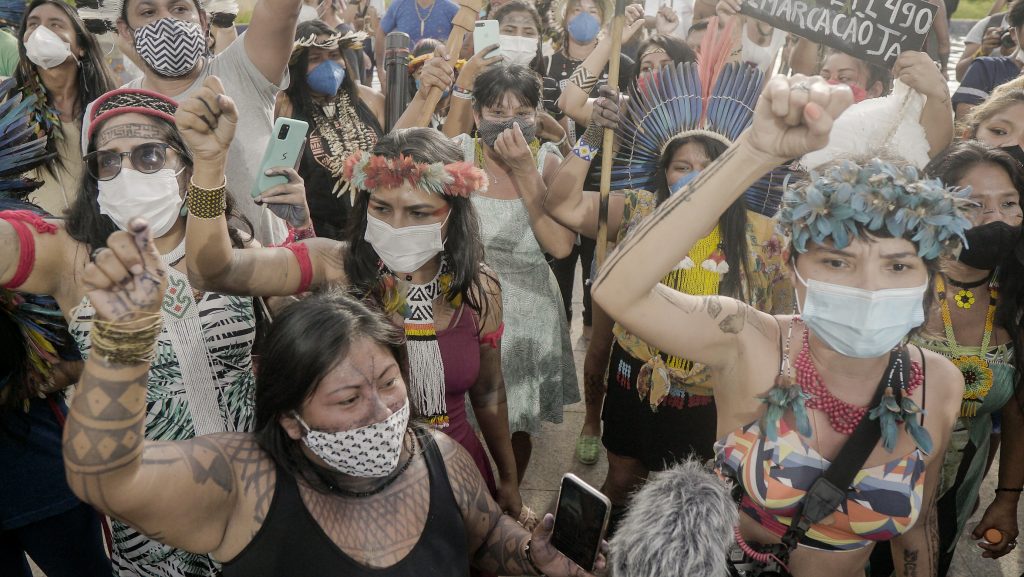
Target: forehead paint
[128, 131]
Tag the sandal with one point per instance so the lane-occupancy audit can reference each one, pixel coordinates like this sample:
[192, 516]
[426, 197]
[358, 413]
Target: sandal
[588, 448]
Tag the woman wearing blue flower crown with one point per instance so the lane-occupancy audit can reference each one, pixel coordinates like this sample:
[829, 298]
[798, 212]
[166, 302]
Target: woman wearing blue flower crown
[791, 390]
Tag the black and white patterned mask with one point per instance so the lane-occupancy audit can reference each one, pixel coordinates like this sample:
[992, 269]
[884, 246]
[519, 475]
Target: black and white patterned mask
[370, 451]
[171, 47]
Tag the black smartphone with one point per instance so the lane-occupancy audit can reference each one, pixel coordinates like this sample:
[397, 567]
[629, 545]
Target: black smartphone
[581, 520]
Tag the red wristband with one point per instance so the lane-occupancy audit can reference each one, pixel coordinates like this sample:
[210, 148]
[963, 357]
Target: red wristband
[26, 242]
[494, 337]
[301, 253]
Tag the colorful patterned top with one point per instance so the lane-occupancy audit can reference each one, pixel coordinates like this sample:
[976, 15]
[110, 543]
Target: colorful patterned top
[770, 292]
[884, 502]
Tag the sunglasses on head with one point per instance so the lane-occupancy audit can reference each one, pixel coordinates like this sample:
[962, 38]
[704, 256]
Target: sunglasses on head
[146, 158]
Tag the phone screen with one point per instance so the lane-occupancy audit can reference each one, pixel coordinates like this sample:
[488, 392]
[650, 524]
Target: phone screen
[579, 523]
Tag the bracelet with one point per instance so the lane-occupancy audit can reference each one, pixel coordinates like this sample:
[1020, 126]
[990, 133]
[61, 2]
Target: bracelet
[206, 202]
[583, 79]
[129, 342]
[561, 141]
[1008, 490]
[303, 233]
[529, 558]
[590, 143]
[459, 92]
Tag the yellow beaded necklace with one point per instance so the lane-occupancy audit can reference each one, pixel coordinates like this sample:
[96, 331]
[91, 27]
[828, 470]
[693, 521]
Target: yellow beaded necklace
[977, 373]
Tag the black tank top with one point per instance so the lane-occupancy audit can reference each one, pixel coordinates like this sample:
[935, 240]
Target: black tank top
[290, 542]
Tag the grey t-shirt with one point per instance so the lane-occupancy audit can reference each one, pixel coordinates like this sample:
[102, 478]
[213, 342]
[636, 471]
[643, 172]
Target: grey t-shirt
[254, 97]
[977, 32]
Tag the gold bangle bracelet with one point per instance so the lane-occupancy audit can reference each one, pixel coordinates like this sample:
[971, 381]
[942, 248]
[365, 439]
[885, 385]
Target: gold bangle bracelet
[206, 202]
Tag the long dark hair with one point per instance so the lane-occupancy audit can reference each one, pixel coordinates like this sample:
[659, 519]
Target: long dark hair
[951, 166]
[732, 224]
[537, 64]
[85, 223]
[298, 91]
[94, 76]
[463, 247]
[292, 365]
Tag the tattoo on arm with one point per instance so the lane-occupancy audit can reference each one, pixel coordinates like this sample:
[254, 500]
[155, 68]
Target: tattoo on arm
[909, 562]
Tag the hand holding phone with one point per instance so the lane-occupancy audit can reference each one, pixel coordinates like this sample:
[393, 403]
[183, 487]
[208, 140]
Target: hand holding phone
[575, 535]
[485, 33]
[283, 151]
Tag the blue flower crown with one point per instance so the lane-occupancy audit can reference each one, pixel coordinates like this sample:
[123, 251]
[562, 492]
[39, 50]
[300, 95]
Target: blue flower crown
[847, 198]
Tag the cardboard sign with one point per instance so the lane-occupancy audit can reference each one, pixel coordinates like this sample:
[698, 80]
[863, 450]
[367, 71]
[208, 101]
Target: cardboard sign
[873, 30]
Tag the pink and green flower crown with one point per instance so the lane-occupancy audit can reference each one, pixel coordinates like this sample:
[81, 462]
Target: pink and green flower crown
[848, 198]
[369, 172]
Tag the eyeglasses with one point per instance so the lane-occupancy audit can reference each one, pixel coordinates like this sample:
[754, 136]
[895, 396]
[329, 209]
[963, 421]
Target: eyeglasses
[146, 158]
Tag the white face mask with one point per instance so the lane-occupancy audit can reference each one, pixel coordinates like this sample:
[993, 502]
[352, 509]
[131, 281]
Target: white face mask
[152, 196]
[370, 451]
[45, 49]
[518, 49]
[860, 323]
[404, 249]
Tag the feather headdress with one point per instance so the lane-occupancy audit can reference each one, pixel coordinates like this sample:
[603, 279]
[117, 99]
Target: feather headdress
[709, 98]
[22, 141]
[33, 334]
[11, 12]
[100, 16]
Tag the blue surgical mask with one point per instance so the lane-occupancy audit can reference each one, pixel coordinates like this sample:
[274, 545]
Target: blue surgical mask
[584, 27]
[326, 78]
[683, 181]
[860, 323]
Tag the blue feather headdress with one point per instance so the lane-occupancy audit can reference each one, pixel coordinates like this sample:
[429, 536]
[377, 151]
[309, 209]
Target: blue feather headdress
[33, 333]
[708, 98]
[11, 12]
[22, 141]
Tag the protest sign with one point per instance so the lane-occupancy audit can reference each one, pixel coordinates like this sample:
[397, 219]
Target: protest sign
[872, 30]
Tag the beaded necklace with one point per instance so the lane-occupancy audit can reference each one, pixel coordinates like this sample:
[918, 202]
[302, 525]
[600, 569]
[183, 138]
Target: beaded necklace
[976, 371]
[842, 416]
[337, 133]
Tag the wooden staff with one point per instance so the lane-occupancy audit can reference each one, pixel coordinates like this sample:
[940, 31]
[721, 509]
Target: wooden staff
[462, 24]
[609, 135]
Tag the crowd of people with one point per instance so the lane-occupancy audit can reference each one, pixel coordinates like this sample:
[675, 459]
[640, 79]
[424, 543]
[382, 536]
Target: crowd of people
[802, 275]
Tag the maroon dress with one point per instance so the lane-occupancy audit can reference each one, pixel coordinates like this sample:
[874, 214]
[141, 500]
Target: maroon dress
[460, 353]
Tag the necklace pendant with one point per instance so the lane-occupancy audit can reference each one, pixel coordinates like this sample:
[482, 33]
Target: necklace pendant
[964, 299]
[422, 23]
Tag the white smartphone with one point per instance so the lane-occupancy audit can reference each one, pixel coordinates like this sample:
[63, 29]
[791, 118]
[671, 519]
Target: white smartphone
[485, 33]
[581, 519]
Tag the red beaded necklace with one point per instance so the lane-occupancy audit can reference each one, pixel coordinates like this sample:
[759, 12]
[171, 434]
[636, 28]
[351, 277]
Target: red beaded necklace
[843, 416]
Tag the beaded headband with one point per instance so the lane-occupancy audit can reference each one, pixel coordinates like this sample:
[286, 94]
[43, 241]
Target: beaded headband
[129, 100]
[654, 49]
[369, 172]
[847, 198]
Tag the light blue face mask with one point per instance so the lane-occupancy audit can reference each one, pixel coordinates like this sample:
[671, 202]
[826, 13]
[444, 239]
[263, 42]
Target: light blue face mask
[860, 323]
[683, 181]
[584, 27]
[326, 78]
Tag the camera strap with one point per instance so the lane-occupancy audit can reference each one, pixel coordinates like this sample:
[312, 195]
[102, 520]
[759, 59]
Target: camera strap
[829, 491]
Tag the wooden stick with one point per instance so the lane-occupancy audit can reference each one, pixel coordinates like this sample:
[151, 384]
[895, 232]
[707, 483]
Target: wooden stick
[462, 24]
[607, 155]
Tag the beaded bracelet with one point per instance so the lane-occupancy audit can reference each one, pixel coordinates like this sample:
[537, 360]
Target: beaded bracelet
[529, 559]
[206, 202]
[127, 343]
[590, 143]
[462, 93]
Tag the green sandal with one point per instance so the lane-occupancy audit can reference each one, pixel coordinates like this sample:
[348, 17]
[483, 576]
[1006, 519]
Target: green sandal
[587, 449]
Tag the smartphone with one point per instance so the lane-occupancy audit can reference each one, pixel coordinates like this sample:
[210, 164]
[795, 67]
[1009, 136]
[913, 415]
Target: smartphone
[485, 33]
[283, 151]
[581, 520]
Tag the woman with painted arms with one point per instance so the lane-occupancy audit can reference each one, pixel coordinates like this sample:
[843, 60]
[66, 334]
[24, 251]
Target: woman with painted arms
[792, 389]
[334, 480]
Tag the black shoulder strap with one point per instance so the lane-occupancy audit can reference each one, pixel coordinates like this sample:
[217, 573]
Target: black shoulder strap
[829, 491]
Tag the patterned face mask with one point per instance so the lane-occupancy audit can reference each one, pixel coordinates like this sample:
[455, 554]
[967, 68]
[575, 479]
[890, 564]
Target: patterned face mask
[370, 451]
[171, 47]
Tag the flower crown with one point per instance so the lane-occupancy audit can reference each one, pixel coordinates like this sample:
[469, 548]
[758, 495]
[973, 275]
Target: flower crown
[878, 196]
[370, 172]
